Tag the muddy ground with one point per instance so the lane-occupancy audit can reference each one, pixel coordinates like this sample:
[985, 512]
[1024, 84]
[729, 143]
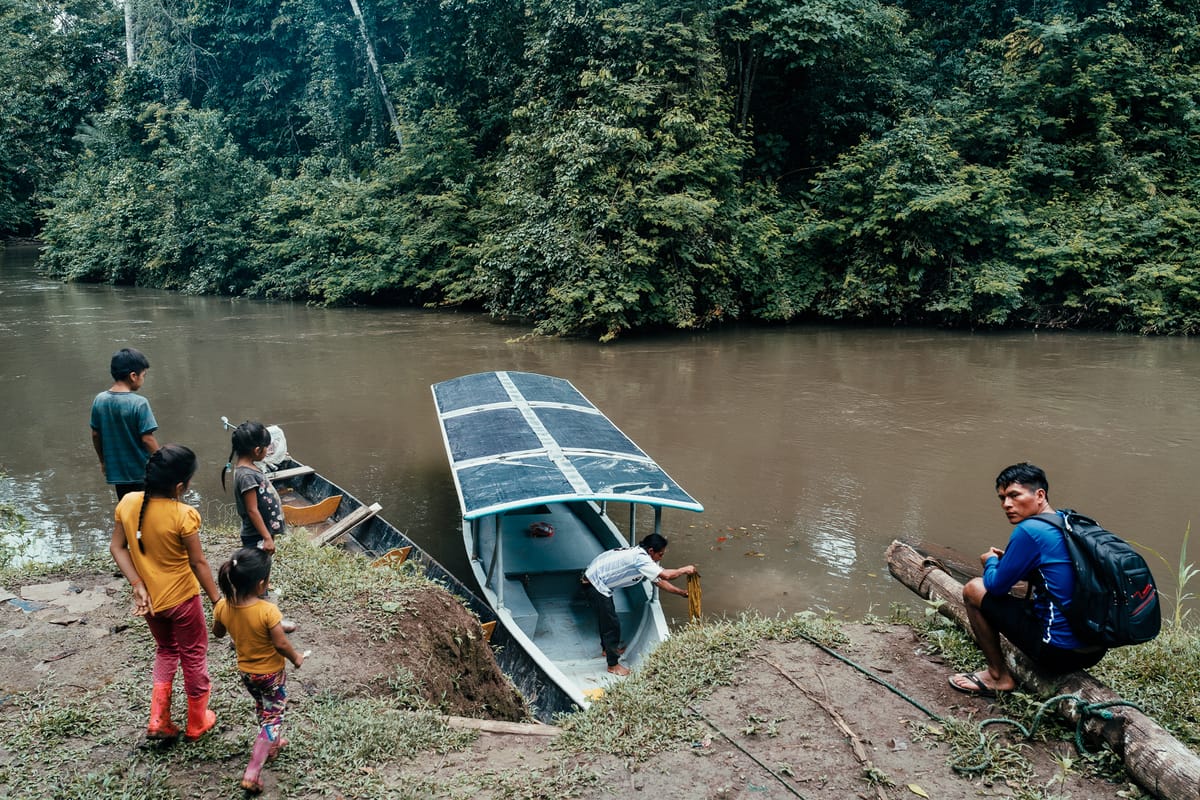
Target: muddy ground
[796, 722]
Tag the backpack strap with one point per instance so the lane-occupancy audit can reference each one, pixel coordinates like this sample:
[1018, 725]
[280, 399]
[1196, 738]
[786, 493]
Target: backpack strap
[1058, 519]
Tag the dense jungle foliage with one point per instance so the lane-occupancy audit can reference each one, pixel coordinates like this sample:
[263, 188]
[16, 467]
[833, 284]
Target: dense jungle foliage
[597, 166]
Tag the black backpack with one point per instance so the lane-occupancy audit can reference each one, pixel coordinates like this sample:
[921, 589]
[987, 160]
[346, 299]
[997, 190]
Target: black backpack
[1115, 601]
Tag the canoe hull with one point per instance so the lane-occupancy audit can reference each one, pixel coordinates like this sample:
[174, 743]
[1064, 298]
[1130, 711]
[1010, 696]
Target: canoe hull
[377, 536]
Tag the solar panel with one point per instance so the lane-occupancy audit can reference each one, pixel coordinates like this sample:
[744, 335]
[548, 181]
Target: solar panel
[517, 439]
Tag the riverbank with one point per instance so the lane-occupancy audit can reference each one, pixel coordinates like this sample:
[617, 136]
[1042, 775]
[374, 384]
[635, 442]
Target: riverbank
[747, 708]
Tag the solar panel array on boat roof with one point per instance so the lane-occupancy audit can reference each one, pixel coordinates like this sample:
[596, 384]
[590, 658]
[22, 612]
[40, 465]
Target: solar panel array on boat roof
[517, 439]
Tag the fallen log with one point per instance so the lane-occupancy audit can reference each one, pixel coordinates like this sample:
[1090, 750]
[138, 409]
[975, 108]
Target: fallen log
[1153, 757]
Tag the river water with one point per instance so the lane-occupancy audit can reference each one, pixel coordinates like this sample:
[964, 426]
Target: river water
[810, 447]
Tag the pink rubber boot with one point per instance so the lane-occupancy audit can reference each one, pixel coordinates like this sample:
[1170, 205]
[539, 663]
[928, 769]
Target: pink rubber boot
[252, 777]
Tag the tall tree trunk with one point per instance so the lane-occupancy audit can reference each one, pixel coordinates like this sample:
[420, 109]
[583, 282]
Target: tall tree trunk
[383, 92]
[129, 55]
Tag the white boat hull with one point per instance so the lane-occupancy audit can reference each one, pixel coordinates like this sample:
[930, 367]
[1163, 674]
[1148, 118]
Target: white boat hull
[535, 590]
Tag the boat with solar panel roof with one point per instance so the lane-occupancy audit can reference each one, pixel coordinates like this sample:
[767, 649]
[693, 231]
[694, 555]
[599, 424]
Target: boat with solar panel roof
[538, 468]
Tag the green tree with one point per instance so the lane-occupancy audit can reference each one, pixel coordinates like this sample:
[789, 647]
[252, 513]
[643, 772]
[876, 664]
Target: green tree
[171, 207]
[811, 78]
[614, 206]
[56, 58]
[403, 233]
[1054, 187]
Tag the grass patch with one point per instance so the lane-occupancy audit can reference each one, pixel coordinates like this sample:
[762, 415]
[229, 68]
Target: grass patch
[1163, 678]
[337, 587]
[565, 780]
[348, 743]
[647, 712]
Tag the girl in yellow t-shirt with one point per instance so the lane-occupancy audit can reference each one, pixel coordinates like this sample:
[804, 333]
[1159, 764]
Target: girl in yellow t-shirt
[255, 627]
[156, 543]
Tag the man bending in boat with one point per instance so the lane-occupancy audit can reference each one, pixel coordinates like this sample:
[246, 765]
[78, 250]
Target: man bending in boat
[1036, 553]
[616, 569]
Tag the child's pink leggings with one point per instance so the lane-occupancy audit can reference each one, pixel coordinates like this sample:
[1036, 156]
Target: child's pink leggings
[182, 636]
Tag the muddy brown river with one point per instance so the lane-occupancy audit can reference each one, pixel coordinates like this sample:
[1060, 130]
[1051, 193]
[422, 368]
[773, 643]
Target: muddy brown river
[811, 447]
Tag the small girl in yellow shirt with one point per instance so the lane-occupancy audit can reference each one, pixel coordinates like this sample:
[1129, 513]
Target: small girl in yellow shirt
[257, 633]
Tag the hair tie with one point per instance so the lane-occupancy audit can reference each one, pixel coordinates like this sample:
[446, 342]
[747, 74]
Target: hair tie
[234, 562]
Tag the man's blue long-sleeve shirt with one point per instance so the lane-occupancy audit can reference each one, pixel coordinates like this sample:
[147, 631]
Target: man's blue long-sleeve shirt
[1037, 548]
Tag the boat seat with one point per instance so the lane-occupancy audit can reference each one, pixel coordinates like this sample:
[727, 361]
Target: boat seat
[291, 472]
[570, 549]
[302, 516]
[355, 518]
[517, 601]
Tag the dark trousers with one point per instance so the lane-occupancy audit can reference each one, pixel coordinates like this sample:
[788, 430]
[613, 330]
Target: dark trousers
[123, 489]
[1015, 618]
[608, 622]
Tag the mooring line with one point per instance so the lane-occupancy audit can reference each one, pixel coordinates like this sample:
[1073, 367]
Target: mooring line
[870, 675]
[747, 753]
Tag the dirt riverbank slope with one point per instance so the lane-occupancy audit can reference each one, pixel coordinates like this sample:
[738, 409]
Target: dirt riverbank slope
[794, 720]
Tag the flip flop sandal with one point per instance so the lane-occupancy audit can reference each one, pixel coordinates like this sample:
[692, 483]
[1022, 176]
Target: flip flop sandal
[981, 689]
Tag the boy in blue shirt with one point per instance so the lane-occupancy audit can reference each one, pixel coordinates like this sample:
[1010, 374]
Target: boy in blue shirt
[1036, 553]
[123, 425]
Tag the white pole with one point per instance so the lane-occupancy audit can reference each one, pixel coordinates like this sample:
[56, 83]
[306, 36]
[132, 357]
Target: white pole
[129, 58]
[387, 101]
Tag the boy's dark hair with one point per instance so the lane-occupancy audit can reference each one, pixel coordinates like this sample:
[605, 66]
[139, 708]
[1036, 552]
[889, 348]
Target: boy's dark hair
[655, 541]
[125, 361]
[1025, 474]
[239, 576]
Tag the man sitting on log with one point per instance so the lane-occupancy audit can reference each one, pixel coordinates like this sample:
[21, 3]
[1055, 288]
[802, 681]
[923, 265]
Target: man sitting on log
[1035, 553]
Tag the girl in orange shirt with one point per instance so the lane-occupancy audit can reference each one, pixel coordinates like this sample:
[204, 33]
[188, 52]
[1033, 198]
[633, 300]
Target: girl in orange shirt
[156, 543]
[255, 626]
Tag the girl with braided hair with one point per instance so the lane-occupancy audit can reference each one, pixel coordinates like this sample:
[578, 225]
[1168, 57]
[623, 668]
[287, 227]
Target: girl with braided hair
[258, 502]
[156, 544]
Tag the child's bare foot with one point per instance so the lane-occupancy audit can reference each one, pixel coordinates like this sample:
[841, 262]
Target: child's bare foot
[617, 669]
[288, 626]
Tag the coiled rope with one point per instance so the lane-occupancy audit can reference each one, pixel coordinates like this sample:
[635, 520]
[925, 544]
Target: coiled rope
[1085, 710]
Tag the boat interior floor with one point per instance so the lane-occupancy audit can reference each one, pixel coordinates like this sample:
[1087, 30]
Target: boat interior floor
[567, 633]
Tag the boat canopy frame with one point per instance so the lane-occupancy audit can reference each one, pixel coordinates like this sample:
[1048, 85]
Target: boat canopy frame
[519, 439]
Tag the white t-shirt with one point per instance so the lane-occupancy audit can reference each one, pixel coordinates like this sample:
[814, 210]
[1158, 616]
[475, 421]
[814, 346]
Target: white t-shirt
[616, 569]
